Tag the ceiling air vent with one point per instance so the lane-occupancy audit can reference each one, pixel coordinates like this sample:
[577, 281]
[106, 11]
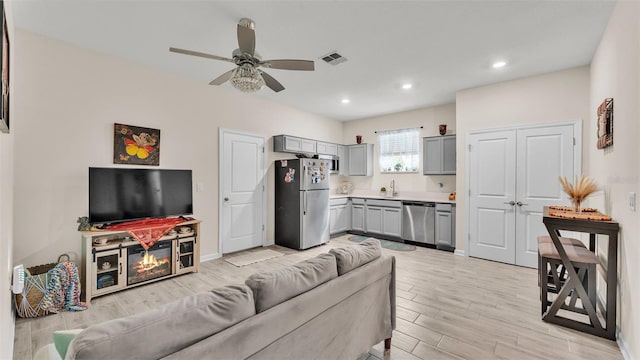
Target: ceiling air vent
[333, 58]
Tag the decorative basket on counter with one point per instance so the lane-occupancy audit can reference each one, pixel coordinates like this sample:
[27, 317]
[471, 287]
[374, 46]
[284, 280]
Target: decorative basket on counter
[28, 303]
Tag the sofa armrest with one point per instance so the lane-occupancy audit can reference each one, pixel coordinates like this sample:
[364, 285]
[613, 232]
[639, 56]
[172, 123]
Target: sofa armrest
[392, 292]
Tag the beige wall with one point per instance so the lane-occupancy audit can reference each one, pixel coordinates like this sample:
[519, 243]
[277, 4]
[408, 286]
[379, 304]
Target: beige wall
[7, 319]
[430, 118]
[66, 102]
[555, 97]
[6, 244]
[615, 72]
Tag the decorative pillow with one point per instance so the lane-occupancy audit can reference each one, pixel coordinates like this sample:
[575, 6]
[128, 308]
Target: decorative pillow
[62, 338]
[157, 333]
[351, 257]
[272, 288]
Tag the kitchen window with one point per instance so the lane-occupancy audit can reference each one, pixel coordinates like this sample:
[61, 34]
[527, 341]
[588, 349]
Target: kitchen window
[399, 150]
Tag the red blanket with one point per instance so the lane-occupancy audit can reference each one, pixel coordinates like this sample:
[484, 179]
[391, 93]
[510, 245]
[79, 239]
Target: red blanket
[148, 231]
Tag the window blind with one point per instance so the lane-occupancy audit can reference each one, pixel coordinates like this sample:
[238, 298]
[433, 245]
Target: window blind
[398, 150]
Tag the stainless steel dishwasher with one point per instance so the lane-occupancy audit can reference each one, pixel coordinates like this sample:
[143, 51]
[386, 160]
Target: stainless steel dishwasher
[418, 222]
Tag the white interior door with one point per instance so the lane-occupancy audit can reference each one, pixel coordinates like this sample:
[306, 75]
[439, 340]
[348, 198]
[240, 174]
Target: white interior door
[512, 175]
[543, 155]
[492, 160]
[242, 203]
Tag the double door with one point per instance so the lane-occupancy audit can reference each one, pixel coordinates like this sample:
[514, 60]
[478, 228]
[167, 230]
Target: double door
[512, 175]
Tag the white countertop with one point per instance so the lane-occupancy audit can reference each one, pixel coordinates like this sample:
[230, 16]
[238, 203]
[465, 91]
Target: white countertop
[403, 195]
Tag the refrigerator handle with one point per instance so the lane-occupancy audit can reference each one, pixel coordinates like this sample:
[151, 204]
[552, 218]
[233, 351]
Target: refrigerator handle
[304, 203]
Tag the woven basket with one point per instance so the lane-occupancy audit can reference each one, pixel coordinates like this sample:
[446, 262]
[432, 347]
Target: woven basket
[35, 286]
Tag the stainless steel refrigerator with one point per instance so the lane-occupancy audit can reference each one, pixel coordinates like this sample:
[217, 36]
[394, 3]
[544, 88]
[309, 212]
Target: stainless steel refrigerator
[302, 202]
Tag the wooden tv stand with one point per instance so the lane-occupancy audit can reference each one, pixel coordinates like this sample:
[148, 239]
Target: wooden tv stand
[104, 267]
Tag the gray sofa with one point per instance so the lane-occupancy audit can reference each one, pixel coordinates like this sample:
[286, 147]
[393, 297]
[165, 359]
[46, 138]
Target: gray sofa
[334, 306]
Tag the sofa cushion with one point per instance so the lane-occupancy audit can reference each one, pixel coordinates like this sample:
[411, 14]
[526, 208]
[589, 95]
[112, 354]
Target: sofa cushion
[62, 339]
[272, 288]
[157, 333]
[351, 257]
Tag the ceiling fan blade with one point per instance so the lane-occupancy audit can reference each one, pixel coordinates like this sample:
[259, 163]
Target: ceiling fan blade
[284, 64]
[246, 40]
[272, 83]
[222, 78]
[195, 53]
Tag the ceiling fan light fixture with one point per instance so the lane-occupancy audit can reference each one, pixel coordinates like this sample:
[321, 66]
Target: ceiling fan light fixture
[247, 79]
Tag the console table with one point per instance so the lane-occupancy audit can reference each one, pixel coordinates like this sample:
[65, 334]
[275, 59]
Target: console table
[608, 272]
[107, 268]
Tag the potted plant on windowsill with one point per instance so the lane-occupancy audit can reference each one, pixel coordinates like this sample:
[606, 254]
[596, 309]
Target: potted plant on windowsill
[398, 166]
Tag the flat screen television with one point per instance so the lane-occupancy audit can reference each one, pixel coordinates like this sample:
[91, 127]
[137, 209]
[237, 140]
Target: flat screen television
[120, 194]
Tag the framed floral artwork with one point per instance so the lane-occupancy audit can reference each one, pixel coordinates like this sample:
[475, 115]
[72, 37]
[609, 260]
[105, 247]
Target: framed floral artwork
[605, 123]
[136, 145]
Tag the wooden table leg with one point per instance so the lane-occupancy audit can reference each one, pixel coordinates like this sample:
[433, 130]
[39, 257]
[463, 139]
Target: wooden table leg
[571, 283]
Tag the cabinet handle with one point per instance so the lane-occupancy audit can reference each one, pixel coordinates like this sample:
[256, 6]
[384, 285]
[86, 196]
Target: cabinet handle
[511, 203]
[120, 268]
[520, 203]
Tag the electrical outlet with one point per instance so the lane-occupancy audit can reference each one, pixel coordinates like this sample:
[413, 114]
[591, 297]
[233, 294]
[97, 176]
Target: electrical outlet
[632, 201]
[199, 187]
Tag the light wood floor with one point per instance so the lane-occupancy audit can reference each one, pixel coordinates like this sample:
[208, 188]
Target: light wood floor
[449, 307]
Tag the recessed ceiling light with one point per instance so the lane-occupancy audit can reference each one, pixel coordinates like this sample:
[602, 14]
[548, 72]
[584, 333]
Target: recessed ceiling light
[407, 86]
[499, 64]
[345, 101]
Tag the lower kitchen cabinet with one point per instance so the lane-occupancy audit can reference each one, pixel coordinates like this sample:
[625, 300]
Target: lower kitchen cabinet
[384, 217]
[445, 226]
[357, 215]
[373, 217]
[392, 221]
[339, 215]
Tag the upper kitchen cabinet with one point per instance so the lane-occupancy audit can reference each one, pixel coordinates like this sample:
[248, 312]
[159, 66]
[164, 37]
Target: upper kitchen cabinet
[293, 144]
[439, 155]
[325, 148]
[360, 159]
[343, 158]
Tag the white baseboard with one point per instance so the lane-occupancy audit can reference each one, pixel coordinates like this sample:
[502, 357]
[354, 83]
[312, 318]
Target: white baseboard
[7, 343]
[624, 349]
[209, 257]
[459, 252]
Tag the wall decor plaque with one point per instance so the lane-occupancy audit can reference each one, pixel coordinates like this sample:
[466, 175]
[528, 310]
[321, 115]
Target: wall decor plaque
[605, 123]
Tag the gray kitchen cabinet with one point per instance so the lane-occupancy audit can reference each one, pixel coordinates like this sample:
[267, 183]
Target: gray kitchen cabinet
[445, 226]
[439, 155]
[343, 160]
[339, 215]
[357, 215]
[384, 217]
[392, 221]
[293, 144]
[373, 219]
[360, 159]
[326, 148]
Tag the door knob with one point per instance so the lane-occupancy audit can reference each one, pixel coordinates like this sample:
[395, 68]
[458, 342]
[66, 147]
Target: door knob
[520, 203]
[510, 202]
[226, 199]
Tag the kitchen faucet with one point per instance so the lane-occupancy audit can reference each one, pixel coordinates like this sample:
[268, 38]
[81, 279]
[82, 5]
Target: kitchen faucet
[392, 186]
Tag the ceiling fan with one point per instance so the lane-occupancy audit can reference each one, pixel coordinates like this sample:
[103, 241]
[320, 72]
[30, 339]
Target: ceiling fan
[246, 76]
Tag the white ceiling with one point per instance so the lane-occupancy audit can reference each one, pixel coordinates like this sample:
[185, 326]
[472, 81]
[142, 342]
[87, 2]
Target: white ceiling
[438, 46]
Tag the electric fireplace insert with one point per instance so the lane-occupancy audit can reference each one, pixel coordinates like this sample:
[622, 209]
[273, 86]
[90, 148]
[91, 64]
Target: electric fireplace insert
[150, 264]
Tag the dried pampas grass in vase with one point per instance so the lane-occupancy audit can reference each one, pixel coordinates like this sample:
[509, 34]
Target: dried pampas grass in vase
[578, 191]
